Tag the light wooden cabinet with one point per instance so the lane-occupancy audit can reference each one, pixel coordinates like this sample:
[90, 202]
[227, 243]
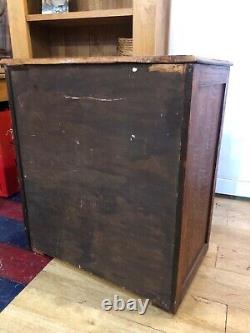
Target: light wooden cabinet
[91, 28]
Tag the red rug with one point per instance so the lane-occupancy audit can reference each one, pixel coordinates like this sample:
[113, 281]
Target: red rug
[18, 264]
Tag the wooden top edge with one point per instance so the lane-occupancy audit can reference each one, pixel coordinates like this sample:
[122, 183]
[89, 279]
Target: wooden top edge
[110, 60]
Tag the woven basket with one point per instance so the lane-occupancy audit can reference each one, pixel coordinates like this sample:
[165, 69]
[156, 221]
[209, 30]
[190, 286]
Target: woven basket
[125, 46]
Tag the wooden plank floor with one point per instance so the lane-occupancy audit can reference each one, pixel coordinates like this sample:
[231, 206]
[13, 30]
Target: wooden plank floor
[64, 299]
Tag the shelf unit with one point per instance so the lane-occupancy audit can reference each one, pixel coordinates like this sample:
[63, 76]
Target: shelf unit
[91, 28]
[3, 86]
[82, 15]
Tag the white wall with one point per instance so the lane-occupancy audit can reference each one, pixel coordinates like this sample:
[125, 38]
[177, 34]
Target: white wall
[221, 29]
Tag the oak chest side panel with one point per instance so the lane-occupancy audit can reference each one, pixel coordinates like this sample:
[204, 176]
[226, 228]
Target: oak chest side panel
[209, 89]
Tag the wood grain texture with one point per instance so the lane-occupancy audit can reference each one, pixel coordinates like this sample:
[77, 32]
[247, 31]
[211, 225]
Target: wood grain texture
[65, 299]
[93, 14]
[234, 259]
[87, 5]
[238, 320]
[149, 20]
[151, 27]
[222, 235]
[89, 41]
[117, 156]
[204, 131]
[37, 35]
[3, 91]
[177, 59]
[19, 29]
[222, 286]
[162, 26]
[34, 6]
[115, 147]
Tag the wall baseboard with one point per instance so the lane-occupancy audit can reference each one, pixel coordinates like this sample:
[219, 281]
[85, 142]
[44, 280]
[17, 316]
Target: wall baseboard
[233, 187]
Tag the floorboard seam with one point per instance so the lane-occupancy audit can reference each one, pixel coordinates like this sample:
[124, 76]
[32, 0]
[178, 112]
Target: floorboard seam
[217, 253]
[226, 318]
[143, 325]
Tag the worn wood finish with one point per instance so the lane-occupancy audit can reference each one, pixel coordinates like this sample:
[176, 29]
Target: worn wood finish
[108, 166]
[112, 60]
[207, 105]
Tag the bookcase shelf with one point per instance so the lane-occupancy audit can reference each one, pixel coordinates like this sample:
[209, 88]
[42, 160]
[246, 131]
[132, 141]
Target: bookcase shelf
[90, 28]
[101, 15]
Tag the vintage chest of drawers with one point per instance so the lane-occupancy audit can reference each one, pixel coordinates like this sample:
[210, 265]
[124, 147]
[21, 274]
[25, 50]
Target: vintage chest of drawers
[118, 161]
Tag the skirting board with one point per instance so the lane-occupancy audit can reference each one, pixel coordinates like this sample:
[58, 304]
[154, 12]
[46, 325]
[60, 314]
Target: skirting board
[233, 187]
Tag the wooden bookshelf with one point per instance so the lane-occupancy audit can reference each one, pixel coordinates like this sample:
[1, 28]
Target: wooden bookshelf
[3, 86]
[3, 90]
[91, 28]
[82, 15]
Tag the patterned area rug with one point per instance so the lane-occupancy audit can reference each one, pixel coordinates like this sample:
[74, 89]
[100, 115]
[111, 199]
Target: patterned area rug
[18, 264]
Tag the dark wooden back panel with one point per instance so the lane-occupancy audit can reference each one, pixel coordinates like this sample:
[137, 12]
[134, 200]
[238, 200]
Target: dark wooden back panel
[207, 105]
[100, 152]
